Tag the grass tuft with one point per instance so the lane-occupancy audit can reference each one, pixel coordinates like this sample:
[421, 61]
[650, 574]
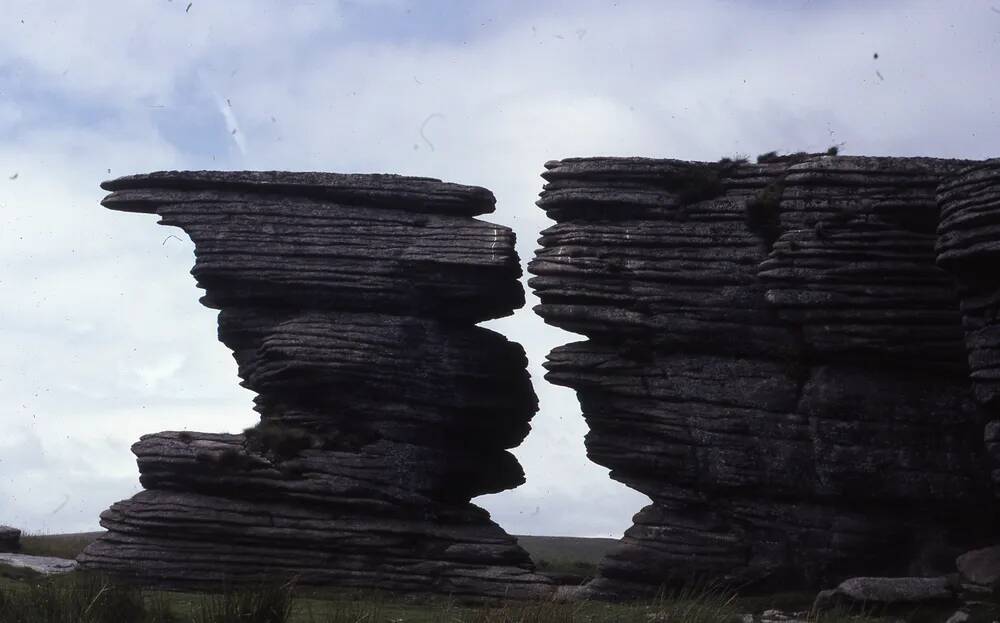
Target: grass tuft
[80, 598]
[269, 603]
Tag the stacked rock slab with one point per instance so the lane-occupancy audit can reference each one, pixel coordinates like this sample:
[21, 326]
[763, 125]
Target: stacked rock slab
[350, 304]
[774, 358]
[969, 248]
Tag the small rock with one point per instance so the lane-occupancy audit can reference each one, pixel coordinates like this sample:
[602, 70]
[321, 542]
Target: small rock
[10, 539]
[825, 600]
[777, 616]
[42, 564]
[960, 616]
[981, 566]
[991, 432]
[886, 591]
[973, 592]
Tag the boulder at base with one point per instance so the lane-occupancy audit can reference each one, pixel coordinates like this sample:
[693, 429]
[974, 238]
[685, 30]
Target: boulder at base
[10, 539]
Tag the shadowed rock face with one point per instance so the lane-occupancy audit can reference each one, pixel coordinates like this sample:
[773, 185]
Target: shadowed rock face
[10, 539]
[775, 358]
[969, 248]
[349, 302]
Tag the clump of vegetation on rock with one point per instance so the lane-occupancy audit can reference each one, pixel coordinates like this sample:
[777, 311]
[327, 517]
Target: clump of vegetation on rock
[763, 213]
[770, 156]
[703, 181]
[793, 158]
[728, 163]
[281, 442]
[697, 183]
[231, 458]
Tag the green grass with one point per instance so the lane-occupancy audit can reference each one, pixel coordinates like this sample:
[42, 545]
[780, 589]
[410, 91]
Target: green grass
[567, 548]
[78, 598]
[82, 598]
[574, 558]
[22, 588]
[576, 571]
[267, 604]
[85, 598]
[10, 572]
[57, 545]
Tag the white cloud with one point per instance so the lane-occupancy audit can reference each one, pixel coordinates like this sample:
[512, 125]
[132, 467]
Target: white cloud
[133, 51]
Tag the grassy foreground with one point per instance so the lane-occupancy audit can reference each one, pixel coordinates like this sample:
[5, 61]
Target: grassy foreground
[83, 598]
[26, 597]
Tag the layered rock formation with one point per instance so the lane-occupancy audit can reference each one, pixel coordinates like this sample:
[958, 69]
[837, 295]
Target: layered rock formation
[968, 247]
[776, 360]
[10, 539]
[349, 302]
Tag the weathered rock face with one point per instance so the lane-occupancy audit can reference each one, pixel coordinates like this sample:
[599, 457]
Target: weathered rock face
[775, 358]
[981, 567]
[10, 539]
[968, 247]
[45, 565]
[887, 592]
[349, 302]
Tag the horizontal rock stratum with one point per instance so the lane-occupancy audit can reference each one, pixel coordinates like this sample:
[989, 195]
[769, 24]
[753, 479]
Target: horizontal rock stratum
[793, 359]
[350, 303]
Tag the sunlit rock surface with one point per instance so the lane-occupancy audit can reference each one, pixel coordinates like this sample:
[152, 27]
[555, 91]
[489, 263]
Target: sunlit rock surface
[778, 358]
[350, 304]
[45, 565]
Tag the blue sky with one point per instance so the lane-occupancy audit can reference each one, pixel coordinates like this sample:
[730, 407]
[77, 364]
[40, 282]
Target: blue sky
[104, 339]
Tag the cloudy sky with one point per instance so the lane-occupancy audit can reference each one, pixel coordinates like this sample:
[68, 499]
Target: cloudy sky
[103, 337]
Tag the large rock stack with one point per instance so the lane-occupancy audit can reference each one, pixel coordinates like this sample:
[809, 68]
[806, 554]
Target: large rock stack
[774, 358]
[349, 302]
